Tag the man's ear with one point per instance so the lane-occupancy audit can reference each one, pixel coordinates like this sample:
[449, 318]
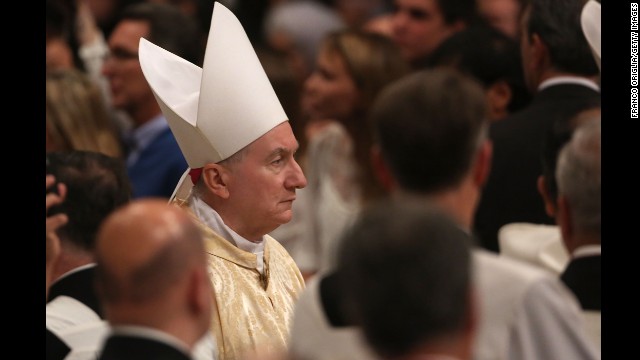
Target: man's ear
[498, 96]
[482, 167]
[539, 53]
[199, 292]
[381, 169]
[549, 203]
[216, 177]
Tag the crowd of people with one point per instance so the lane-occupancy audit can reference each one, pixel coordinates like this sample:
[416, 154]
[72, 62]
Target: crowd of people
[323, 179]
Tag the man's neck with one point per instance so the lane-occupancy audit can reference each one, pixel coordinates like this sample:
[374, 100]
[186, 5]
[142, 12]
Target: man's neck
[219, 219]
[67, 262]
[582, 240]
[459, 202]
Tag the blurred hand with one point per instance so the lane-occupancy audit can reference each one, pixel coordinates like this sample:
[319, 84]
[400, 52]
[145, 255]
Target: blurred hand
[52, 224]
[88, 30]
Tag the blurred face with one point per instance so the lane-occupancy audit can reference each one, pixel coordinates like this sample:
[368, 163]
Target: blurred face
[262, 185]
[329, 92]
[419, 27]
[129, 88]
[58, 55]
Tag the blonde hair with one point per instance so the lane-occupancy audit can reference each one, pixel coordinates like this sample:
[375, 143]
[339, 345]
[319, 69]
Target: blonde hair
[77, 117]
[373, 62]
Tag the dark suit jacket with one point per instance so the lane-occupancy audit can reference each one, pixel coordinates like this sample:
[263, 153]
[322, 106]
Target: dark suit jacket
[583, 277]
[120, 347]
[159, 167]
[511, 193]
[330, 298]
[56, 348]
[79, 286]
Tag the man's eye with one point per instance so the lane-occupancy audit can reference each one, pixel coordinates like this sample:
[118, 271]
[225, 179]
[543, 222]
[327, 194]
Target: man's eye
[418, 14]
[277, 161]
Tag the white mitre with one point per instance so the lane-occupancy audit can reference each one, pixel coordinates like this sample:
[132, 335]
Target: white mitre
[216, 110]
[591, 23]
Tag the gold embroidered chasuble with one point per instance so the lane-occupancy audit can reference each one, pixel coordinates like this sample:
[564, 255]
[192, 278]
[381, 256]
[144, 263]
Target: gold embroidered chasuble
[252, 311]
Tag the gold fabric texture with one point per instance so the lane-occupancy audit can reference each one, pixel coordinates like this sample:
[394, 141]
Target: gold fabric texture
[252, 311]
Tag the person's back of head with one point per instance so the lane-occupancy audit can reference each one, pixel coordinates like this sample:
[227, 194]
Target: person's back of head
[96, 186]
[579, 177]
[557, 24]
[429, 127]
[405, 271]
[77, 117]
[555, 138]
[152, 270]
[169, 28]
[492, 58]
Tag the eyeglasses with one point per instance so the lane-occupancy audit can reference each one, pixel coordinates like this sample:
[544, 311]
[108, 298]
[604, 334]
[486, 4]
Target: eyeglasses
[120, 55]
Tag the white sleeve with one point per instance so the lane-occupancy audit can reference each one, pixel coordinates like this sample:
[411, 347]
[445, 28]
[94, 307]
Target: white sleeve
[206, 348]
[93, 55]
[76, 325]
[549, 326]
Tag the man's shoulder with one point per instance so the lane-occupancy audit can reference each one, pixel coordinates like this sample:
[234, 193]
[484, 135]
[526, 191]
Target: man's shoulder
[547, 104]
[519, 276]
[66, 311]
[76, 325]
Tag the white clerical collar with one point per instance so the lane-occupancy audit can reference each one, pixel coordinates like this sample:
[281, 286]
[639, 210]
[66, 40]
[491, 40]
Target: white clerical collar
[75, 270]
[212, 219]
[569, 80]
[587, 250]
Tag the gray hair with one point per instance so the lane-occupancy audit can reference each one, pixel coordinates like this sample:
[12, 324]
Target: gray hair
[579, 176]
[199, 187]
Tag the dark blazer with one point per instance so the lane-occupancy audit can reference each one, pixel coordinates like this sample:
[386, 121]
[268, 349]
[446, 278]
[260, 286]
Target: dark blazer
[330, 299]
[159, 167]
[56, 348]
[583, 276]
[79, 286]
[511, 193]
[121, 347]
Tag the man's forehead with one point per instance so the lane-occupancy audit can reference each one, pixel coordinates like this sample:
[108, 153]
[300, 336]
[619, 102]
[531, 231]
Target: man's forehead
[280, 138]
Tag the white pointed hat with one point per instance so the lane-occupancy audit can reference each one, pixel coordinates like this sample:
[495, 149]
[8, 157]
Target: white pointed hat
[216, 110]
[591, 23]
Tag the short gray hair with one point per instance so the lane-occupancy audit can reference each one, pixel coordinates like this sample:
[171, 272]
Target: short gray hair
[200, 187]
[579, 176]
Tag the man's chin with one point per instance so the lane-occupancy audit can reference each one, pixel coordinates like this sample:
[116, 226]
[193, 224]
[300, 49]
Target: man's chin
[285, 217]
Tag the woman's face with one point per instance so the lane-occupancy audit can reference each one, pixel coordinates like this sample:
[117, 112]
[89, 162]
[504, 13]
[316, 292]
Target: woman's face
[329, 92]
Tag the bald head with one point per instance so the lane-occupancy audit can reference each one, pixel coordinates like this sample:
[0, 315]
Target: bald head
[144, 249]
[152, 271]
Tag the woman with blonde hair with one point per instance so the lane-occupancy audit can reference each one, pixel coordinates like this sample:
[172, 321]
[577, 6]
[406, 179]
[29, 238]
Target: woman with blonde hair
[77, 117]
[352, 67]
